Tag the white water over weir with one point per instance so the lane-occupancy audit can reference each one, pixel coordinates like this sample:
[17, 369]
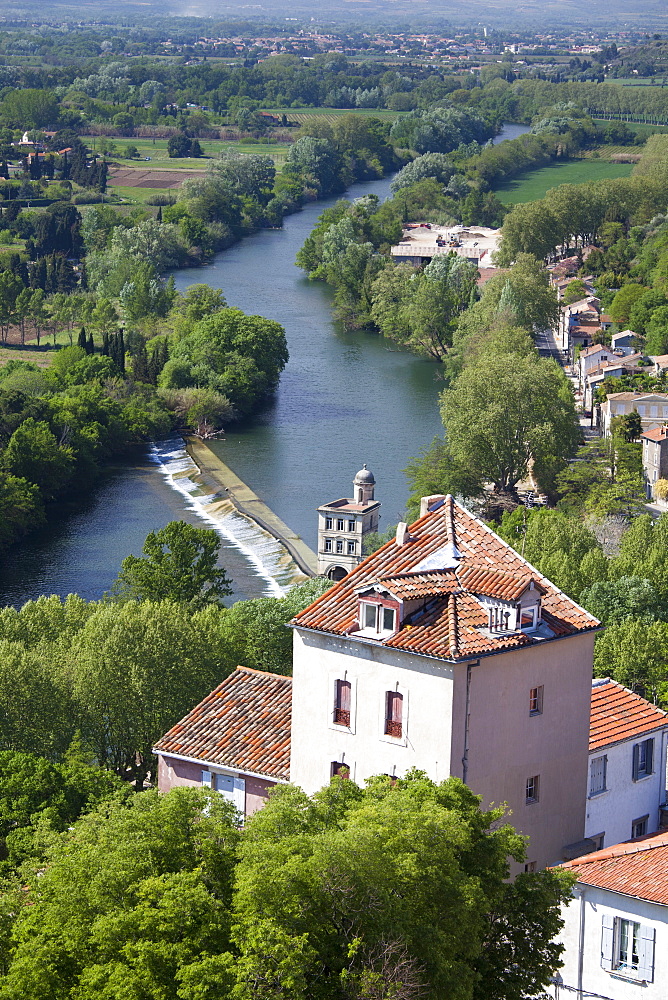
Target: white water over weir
[268, 559]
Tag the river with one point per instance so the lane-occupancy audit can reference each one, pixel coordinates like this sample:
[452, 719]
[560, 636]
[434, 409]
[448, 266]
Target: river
[344, 399]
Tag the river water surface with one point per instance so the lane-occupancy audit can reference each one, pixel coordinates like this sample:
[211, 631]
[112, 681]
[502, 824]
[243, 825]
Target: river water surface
[344, 399]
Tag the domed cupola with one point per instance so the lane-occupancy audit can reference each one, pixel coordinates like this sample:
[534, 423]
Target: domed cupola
[364, 483]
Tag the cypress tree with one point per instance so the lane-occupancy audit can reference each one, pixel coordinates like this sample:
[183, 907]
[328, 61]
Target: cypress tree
[4, 170]
[140, 367]
[121, 352]
[90, 344]
[82, 342]
[158, 217]
[106, 345]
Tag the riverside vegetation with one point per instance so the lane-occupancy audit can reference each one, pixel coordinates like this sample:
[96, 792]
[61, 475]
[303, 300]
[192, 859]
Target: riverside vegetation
[173, 902]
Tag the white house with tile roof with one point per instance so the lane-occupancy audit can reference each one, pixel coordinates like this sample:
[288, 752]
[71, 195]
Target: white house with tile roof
[446, 651]
[615, 933]
[628, 740]
[651, 406]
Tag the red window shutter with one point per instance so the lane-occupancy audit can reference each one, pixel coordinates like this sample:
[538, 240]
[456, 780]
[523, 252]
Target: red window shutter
[394, 714]
[342, 706]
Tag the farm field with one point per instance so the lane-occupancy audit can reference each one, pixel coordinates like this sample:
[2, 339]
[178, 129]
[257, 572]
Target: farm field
[302, 115]
[138, 195]
[534, 184]
[156, 149]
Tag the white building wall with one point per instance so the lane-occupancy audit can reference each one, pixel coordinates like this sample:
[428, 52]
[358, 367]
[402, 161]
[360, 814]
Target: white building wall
[582, 932]
[427, 686]
[613, 811]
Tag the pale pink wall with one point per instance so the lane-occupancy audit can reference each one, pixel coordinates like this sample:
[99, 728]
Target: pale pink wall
[507, 745]
[257, 790]
[174, 773]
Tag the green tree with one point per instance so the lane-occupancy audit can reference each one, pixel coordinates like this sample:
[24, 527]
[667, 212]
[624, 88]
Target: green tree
[179, 563]
[21, 508]
[400, 883]
[33, 453]
[624, 301]
[634, 651]
[505, 413]
[133, 901]
[255, 632]
[623, 597]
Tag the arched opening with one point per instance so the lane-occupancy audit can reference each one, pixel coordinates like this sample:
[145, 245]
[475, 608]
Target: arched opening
[336, 573]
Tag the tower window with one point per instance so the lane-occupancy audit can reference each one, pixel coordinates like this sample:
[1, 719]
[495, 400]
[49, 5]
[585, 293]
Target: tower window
[352, 525]
[339, 546]
[328, 524]
[351, 548]
[339, 524]
[328, 545]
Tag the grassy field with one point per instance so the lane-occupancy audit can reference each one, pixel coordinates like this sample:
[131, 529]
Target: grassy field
[534, 184]
[638, 81]
[155, 152]
[304, 114]
[138, 196]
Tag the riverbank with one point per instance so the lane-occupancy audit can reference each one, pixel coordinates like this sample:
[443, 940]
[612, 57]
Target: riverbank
[248, 503]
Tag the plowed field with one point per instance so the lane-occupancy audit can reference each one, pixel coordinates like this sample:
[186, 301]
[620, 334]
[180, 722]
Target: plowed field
[139, 177]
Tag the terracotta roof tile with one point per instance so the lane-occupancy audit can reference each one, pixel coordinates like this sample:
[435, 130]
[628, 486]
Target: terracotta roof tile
[225, 728]
[618, 714]
[452, 623]
[636, 868]
[658, 434]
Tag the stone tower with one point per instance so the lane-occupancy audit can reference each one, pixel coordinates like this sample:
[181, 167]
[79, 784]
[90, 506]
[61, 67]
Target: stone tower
[342, 525]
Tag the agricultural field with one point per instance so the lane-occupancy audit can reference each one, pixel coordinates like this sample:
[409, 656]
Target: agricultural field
[155, 151]
[303, 115]
[534, 184]
[639, 81]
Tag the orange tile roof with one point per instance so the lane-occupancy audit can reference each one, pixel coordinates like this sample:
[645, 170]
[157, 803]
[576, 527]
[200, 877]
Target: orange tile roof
[243, 724]
[636, 868]
[618, 714]
[657, 434]
[452, 623]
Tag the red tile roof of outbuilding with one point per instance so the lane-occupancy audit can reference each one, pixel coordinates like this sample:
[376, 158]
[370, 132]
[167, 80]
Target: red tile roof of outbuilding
[636, 868]
[618, 714]
[452, 624]
[244, 724]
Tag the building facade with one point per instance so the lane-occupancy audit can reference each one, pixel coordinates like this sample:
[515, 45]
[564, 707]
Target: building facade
[343, 525]
[615, 932]
[654, 457]
[652, 408]
[447, 652]
[628, 741]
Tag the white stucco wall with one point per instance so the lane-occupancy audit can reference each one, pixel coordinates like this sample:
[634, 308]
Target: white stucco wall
[596, 980]
[427, 686]
[613, 811]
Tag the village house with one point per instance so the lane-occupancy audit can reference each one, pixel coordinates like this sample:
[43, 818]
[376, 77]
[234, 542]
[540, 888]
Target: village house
[447, 652]
[654, 457]
[235, 742]
[629, 364]
[623, 343]
[652, 407]
[443, 651]
[579, 323]
[628, 740]
[615, 934]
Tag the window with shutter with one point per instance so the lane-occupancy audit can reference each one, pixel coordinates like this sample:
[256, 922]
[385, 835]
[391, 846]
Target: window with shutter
[607, 941]
[239, 798]
[207, 781]
[225, 786]
[342, 703]
[627, 947]
[339, 769]
[643, 759]
[394, 707]
[597, 775]
[646, 954]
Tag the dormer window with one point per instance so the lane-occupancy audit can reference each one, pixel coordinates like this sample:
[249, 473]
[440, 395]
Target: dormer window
[529, 616]
[501, 619]
[377, 620]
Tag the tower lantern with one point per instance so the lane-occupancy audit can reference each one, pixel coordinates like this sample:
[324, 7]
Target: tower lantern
[342, 525]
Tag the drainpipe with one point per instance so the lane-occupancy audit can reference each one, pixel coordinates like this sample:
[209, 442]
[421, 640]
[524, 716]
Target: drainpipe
[465, 758]
[580, 894]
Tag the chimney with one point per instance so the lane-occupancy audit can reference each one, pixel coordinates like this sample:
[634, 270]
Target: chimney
[403, 535]
[427, 502]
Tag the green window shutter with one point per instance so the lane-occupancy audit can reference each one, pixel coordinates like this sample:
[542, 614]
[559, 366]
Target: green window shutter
[607, 941]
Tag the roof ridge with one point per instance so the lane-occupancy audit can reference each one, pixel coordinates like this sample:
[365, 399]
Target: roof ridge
[267, 673]
[541, 576]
